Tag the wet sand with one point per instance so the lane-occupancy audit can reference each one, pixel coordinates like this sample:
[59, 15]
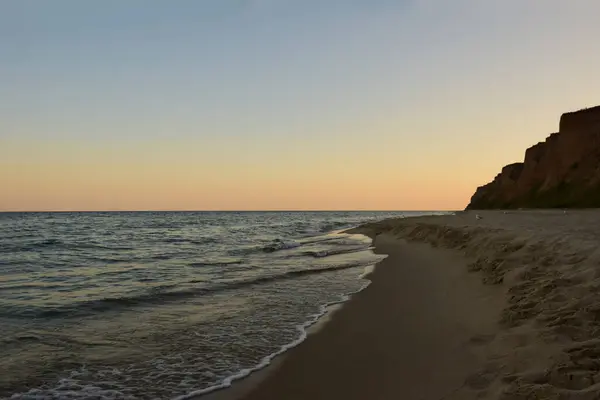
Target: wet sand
[501, 307]
[415, 333]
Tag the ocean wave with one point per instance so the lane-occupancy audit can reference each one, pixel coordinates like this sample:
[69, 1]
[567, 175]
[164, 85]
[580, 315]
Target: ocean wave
[19, 236]
[332, 226]
[59, 244]
[72, 387]
[319, 239]
[333, 252]
[239, 277]
[175, 240]
[49, 242]
[280, 244]
[245, 250]
[117, 272]
[96, 246]
[204, 240]
[110, 260]
[215, 263]
[266, 361]
[31, 246]
[276, 245]
[31, 285]
[162, 294]
[287, 244]
[312, 228]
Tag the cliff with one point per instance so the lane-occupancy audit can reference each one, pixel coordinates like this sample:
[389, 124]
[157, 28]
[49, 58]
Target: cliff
[563, 171]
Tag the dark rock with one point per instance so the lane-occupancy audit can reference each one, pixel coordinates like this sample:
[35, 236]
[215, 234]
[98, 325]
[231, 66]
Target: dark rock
[561, 172]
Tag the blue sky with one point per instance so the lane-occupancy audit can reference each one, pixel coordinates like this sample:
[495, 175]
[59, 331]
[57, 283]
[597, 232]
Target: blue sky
[282, 98]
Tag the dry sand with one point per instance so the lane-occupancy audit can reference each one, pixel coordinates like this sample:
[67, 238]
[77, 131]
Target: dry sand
[503, 307]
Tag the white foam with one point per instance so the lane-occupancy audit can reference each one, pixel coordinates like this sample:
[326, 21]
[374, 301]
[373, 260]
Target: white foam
[369, 269]
[302, 328]
[70, 388]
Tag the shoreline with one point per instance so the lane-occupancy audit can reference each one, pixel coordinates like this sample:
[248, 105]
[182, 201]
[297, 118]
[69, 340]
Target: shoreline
[501, 307]
[321, 366]
[313, 324]
[203, 333]
[243, 386]
[242, 382]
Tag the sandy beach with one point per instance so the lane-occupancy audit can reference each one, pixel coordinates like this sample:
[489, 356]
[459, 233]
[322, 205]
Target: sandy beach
[502, 307]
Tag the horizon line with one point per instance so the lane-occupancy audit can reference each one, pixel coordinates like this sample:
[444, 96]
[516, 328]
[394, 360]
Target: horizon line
[257, 210]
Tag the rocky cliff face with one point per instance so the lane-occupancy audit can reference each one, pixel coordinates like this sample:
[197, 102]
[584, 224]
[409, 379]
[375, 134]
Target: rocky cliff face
[563, 171]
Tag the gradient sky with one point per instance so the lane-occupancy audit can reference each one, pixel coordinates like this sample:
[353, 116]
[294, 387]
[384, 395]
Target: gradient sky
[281, 104]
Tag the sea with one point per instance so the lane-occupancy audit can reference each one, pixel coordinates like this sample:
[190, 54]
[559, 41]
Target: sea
[165, 305]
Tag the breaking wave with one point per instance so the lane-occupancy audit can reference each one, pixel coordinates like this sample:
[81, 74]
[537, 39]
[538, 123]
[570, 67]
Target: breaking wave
[162, 294]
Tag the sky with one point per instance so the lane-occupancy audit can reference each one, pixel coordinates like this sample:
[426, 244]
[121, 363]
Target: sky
[281, 104]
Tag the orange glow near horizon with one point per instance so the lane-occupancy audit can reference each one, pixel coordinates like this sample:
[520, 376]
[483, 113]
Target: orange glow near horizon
[84, 180]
